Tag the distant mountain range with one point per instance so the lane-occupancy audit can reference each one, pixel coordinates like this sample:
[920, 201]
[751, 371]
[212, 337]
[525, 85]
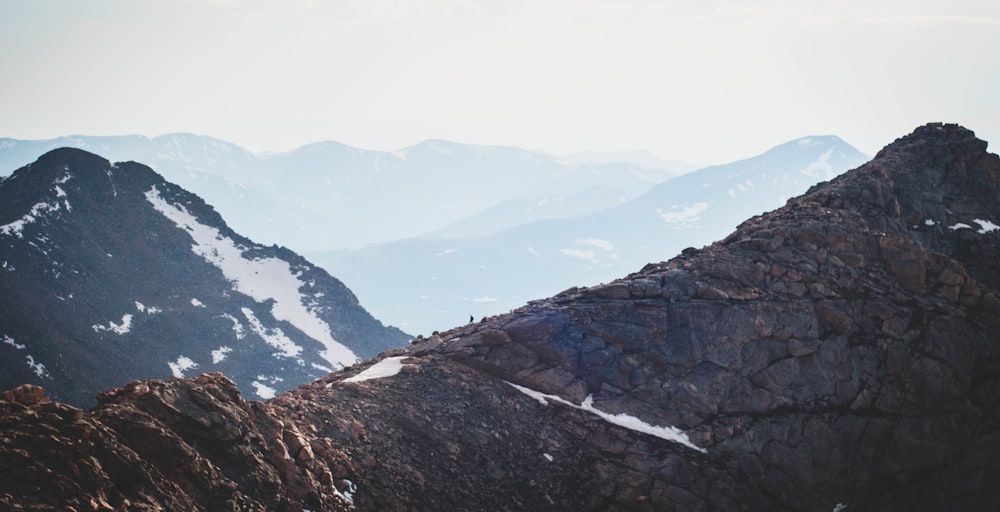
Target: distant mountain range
[109, 273]
[426, 283]
[310, 199]
[639, 158]
[431, 234]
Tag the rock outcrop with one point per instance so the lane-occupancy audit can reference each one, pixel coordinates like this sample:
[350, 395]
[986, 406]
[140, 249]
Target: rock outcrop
[842, 351]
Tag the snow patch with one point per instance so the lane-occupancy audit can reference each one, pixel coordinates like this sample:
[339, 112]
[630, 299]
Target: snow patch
[673, 434]
[149, 310]
[929, 222]
[197, 303]
[322, 368]
[181, 365]
[10, 341]
[840, 507]
[237, 326]
[985, 226]
[348, 494]
[264, 391]
[219, 354]
[821, 168]
[262, 279]
[121, 328]
[385, 368]
[274, 337]
[548, 457]
[38, 368]
[960, 225]
[685, 214]
[17, 227]
[588, 251]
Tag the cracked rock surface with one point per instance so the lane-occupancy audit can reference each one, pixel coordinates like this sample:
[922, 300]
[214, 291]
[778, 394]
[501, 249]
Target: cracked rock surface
[842, 350]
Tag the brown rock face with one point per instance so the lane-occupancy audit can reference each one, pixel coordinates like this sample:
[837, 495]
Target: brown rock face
[842, 350]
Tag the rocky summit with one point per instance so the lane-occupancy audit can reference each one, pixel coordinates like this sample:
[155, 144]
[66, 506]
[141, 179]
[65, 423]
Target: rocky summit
[839, 353]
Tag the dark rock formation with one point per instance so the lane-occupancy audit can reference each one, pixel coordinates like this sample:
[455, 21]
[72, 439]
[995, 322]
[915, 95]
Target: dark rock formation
[839, 351]
[100, 285]
[191, 444]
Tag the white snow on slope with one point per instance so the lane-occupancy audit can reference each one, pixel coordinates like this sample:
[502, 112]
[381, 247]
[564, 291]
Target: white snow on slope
[181, 365]
[385, 368]
[683, 214]
[589, 253]
[821, 168]
[985, 226]
[16, 228]
[264, 391]
[622, 420]
[38, 368]
[262, 278]
[238, 328]
[122, 328]
[274, 337]
[149, 310]
[10, 341]
[219, 354]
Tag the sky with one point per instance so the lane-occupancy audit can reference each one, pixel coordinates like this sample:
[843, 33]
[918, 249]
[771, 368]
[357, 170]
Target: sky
[701, 81]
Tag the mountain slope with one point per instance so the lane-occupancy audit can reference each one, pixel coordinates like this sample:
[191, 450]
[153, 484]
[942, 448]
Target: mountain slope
[832, 353]
[440, 282]
[110, 273]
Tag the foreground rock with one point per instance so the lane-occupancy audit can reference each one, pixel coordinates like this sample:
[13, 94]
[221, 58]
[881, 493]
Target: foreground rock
[840, 351]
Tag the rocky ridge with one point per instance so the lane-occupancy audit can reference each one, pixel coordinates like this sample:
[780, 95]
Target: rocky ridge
[841, 351]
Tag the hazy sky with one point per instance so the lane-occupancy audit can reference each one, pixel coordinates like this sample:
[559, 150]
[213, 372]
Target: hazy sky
[703, 81]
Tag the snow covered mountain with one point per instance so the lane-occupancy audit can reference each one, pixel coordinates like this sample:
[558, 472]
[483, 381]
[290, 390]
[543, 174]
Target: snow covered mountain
[110, 273]
[438, 282]
[309, 199]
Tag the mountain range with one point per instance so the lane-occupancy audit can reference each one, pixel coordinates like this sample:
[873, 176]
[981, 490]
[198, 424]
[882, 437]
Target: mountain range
[458, 230]
[309, 199]
[111, 273]
[841, 352]
[439, 279]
